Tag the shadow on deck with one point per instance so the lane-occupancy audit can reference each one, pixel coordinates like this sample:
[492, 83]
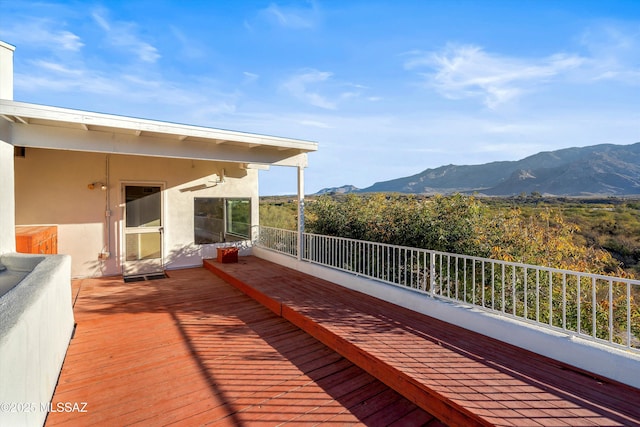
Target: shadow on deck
[461, 377]
[193, 350]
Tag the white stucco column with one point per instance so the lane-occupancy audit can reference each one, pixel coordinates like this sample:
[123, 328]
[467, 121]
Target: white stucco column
[6, 71]
[300, 211]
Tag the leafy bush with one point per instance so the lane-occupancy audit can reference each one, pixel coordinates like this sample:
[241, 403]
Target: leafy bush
[459, 224]
[282, 215]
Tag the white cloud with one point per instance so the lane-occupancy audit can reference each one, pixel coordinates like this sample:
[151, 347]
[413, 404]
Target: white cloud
[61, 80]
[300, 86]
[189, 47]
[68, 40]
[250, 77]
[102, 22]
[121, 87]
[609, 52]
[57, 68]
[292, 17]
[42, 32]
[147, 53]
[123, 35]
[349, 95]
[467, 71]
[615, 53]
[611, 40]
[320, 89]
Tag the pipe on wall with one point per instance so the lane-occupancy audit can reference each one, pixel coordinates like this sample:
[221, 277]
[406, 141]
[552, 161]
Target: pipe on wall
[106, 251]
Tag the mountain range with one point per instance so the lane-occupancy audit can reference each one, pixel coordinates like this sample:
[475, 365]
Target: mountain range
[605, 169]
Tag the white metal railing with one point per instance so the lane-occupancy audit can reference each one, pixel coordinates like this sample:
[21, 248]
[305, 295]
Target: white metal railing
[279, 240]
[602, 308]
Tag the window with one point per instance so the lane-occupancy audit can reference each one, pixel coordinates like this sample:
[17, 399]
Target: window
[239, 217]
[219, 220]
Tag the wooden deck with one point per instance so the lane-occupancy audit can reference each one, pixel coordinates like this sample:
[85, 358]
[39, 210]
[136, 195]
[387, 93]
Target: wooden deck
[461, 377]
[192, 350]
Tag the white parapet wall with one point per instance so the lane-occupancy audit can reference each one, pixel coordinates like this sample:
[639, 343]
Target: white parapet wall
[609, 362]
[7, 202]
[36, 324]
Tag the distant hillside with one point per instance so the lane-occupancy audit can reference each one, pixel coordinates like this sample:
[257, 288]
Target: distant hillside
[338, 190]
[605, 169]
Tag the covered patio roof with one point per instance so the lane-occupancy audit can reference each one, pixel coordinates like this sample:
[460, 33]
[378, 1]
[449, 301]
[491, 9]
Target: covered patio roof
[79, 130]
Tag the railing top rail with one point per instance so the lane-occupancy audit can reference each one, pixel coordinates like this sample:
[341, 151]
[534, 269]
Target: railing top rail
[276, 228]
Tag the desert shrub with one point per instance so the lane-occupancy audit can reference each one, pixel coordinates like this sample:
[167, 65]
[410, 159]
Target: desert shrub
[279, 215]
[460, 224]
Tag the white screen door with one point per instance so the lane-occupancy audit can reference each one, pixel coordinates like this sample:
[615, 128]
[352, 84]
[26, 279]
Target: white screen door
[142, 230]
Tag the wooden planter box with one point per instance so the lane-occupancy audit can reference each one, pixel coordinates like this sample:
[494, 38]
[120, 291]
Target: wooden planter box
[227, 255]
[37, 239]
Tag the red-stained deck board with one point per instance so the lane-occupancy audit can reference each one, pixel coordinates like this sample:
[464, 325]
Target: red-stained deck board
[193, 350]
[461, 377]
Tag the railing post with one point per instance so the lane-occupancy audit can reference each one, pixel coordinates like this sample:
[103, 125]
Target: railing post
[432, 273]
[300, 212]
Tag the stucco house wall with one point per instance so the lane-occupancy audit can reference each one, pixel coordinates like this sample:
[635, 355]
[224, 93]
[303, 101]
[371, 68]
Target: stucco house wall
[52, 188]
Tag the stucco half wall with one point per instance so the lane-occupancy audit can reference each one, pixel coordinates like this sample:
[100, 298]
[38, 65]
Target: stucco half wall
[616, 364]
[52, 188]
[7, 236]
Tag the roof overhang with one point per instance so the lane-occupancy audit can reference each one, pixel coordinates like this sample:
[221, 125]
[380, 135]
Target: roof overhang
[40, 126]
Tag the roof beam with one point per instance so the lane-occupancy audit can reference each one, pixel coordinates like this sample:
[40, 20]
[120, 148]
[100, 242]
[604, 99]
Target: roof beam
[255, 166]
[15, 119]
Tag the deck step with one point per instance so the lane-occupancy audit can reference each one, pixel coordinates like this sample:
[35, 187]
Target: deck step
[461, 377]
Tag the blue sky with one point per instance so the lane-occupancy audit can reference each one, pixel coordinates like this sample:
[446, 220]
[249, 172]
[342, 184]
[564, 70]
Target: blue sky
[387, 88]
